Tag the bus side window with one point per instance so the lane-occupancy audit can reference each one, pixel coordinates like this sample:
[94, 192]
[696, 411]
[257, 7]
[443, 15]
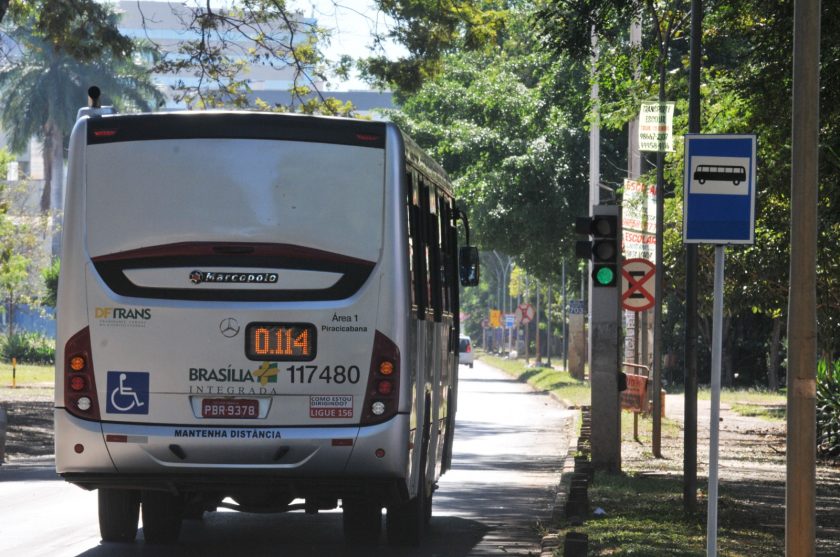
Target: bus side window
[417, 246]
[411, 224]
[452, 259]
[425, 226]
[445, 278]
[434, 252]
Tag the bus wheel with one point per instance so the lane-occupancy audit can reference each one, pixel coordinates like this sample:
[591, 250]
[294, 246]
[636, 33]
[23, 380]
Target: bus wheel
[119, 510]
[406, 524]
[162, 516]
[362, 520]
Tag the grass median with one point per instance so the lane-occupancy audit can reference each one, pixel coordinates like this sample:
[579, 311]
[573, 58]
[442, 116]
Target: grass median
[29, 380]
[565, 387]
[643, 506]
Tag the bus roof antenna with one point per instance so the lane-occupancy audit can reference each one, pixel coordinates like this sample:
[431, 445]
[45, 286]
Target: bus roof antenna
[93, 97]
[94, 105]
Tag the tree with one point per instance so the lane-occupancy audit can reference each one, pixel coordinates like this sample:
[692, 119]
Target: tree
[430, 30]
[82, 29]
[21, 240]
[517, 164]
[44, 88]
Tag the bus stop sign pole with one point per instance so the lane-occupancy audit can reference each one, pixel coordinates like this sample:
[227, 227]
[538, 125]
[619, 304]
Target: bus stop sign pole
[719, 206]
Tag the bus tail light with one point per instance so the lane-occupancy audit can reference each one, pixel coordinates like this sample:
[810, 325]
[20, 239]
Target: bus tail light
[79, 386]
[382, 396]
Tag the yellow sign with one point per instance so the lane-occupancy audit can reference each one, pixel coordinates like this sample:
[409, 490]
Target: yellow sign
[495, 318]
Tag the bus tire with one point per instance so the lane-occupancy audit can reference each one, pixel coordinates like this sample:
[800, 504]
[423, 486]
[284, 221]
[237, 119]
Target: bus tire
[362, 521]
[162, 516]
[119, 510]
[405, 524]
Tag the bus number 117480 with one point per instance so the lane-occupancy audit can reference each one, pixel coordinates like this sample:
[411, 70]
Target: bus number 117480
[336, 374]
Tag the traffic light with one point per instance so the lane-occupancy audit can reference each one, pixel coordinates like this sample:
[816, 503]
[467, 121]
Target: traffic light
[602, 249]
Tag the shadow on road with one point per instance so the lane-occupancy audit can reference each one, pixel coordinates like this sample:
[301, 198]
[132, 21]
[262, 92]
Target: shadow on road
[293, 535]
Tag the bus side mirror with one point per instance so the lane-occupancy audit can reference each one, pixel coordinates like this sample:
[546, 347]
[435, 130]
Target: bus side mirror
[468, 263]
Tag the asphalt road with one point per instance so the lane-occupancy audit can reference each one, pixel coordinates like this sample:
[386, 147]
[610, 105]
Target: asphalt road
[509, 450]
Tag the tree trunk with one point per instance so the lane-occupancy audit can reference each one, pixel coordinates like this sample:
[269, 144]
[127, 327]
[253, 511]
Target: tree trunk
[11, 314]
[56, 163]
[46, 194]
[773, 366]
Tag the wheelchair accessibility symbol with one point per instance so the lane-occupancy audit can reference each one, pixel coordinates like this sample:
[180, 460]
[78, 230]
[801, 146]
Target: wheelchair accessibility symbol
[128, 392]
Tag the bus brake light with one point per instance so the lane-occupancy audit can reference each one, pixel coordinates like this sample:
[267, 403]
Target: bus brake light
[79, 385]
[382, 396]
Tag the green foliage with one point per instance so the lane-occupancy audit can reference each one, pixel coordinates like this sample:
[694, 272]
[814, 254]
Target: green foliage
[21, 246]
[50, 276]
[45, 87]
[31, 348]
[517, 160]
[430, 30]
[81, 29]
[828, 408]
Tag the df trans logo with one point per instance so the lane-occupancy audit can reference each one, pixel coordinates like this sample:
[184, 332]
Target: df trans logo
[200, 277]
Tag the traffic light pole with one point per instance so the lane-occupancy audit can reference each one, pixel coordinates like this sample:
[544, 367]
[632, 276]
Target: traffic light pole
[604, 366]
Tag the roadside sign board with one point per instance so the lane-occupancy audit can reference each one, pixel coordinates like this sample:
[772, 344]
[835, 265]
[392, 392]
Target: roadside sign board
[638, 219]
[638, 281]
[719, 186]
[656, 127]
[509, 320]
[525, 313]
[634, 397]
[495, 318]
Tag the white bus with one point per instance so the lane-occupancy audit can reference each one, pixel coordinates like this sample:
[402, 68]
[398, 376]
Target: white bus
[260, 312]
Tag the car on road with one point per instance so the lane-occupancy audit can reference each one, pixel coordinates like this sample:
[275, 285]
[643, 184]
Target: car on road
[465, 352]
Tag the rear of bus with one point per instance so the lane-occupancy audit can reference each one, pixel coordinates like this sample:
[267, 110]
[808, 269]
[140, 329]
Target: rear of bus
[232, 310]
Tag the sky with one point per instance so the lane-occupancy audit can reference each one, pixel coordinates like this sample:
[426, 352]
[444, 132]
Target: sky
[352, 23]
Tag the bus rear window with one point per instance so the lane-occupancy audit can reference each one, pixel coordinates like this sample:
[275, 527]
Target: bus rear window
[321, 196]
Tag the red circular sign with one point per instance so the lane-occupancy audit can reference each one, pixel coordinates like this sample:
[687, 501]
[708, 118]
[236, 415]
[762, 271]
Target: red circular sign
[637, 284]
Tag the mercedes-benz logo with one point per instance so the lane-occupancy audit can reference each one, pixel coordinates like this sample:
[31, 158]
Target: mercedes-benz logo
[229, 327]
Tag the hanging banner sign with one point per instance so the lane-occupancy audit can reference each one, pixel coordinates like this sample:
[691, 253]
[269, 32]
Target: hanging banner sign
[656, 126]
[638, 219]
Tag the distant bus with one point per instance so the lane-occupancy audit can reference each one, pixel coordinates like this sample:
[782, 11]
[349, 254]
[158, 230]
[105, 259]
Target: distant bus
[259, 312]
[720, 173]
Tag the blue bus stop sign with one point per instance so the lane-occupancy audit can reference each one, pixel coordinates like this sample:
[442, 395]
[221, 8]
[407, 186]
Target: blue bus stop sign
[719, 186]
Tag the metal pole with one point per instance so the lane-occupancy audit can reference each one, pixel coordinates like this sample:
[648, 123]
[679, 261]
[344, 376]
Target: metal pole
[800, 498]
[538, 346]
[657, 314]
[548, 316]
[690, 399]
[565, 326]
[714, 422]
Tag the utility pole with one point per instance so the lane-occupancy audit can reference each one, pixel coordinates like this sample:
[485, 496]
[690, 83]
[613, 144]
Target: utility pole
[537, 358]
[548, 316]
[800, 488]
[690, 399]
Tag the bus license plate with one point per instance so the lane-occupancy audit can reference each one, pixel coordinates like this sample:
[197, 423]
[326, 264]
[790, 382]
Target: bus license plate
[240, 408]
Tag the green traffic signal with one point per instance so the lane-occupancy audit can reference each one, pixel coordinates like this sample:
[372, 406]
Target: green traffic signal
[604, 275]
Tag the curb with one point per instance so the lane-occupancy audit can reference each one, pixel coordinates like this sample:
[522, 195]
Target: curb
[551, 542]
[3, 424]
